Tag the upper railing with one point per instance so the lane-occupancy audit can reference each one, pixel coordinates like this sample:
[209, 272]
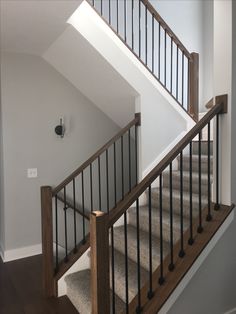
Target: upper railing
[147, 35]
[200, 217]
[101, 183]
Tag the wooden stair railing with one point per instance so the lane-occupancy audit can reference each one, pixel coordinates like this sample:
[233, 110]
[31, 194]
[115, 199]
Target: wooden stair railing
[85, 189]
[151, 40]
[182, 255]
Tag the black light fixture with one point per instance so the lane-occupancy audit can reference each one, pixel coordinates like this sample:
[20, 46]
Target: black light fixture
[60, 129]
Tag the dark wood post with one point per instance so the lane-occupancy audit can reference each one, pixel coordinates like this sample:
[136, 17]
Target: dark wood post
[100, 283]
[194, 86]
[47, 241]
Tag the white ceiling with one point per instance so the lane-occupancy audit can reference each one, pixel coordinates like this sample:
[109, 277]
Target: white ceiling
[31, 26]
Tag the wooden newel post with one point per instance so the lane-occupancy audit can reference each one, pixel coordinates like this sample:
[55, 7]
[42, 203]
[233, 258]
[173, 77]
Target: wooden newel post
[100, 283]
[47, 241]
[194, 85]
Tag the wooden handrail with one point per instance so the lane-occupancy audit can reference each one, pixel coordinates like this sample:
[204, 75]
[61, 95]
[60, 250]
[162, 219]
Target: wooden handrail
[135, 121]
[210, 103]
[219, 108]
[70, 205]
[157, 16]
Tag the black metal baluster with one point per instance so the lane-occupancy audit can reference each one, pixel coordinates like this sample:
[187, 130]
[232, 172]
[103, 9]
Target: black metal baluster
[109, 11]
[115, 195]
[117, 16]
[65, 222]
[107, 175]
[99, 183]
[209, 216]
[181, 253]
[182, 78]
[132, 22]
[125, 31]
[177, 72]
[138, 309]
[165, 61]
[122, 167]
[56, 231]
[161, 278]
[146, 34]
[150, 292]
[83, 209]
[171, 65]
[130, 174]
[171, 265]
[190, 241]
[126, 265]
[136, 153]
[153, 35]
[75, 227]
[159, 53]
[113, 271]
[91, 186]
[139, 25]
[199, 229]
[217, 206]
[188, 86]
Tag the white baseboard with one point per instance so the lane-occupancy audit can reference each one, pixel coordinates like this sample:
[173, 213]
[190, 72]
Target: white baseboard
[184, 282]
[233, 311]
[14, 254]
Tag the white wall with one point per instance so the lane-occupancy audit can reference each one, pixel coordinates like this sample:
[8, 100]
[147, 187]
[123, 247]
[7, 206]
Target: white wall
[157, 107]
[34, 97]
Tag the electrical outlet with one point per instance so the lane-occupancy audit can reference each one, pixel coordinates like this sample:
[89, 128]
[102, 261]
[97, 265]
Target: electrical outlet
[32, 173]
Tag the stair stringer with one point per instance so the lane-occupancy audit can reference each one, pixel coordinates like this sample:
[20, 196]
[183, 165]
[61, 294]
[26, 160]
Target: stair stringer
[197, 264]
[163, 119]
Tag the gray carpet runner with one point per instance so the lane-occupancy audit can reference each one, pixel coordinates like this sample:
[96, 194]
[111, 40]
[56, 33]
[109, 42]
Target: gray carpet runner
[78, 284]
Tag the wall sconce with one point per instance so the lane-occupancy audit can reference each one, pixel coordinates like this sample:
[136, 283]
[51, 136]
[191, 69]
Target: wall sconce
[60, 129]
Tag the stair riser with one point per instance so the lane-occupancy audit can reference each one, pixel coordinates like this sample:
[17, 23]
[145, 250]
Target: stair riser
[186, 184]
[176, 205]
[144, 225]
[204, 148]
[195, 166]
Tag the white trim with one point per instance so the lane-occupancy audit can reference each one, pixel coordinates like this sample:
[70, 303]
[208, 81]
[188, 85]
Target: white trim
[231, 311]
[184, 282]
[14, 254]
[1, 252]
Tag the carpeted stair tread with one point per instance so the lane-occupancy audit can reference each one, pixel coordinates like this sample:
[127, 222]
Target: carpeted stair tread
[119, 272]
[176, 201]
[78, 291]
[144, 245]
[186, 181]
[144, 222]
[195, 165]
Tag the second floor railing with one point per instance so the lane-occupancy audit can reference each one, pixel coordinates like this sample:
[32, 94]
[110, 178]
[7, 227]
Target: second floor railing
[152, 41]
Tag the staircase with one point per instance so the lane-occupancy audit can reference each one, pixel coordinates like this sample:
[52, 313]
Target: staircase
[145, 235]
[78, 284]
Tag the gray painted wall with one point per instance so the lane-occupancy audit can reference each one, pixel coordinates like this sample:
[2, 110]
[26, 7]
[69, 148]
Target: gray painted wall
[212, 290]
[34, 97]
